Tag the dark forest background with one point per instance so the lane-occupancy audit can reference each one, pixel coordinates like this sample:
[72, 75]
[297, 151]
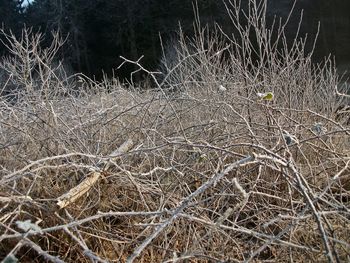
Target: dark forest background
[97, 32]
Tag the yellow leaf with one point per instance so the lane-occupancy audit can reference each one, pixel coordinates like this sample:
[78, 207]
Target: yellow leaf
[265, 96]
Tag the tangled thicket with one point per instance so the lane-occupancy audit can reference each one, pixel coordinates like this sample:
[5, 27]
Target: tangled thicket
[197, 168]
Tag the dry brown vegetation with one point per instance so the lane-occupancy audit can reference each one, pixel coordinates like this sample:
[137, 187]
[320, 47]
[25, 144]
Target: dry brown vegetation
[197, 169]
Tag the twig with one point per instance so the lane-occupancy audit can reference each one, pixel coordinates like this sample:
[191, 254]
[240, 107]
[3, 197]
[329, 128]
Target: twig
[185, 203]
[83, 221]
[73, 194]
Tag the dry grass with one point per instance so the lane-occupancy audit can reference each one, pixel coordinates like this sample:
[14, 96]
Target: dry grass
[208, 177]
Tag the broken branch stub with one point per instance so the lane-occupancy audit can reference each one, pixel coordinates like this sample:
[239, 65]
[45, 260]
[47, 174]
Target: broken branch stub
[73, 194]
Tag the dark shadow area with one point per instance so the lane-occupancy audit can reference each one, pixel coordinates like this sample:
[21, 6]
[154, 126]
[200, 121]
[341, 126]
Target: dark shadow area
[97, 33]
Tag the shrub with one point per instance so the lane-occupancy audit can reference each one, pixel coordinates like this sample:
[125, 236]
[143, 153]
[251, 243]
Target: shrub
[91, 171]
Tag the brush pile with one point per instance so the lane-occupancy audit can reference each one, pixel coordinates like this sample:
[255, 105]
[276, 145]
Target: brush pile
[198, 168]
